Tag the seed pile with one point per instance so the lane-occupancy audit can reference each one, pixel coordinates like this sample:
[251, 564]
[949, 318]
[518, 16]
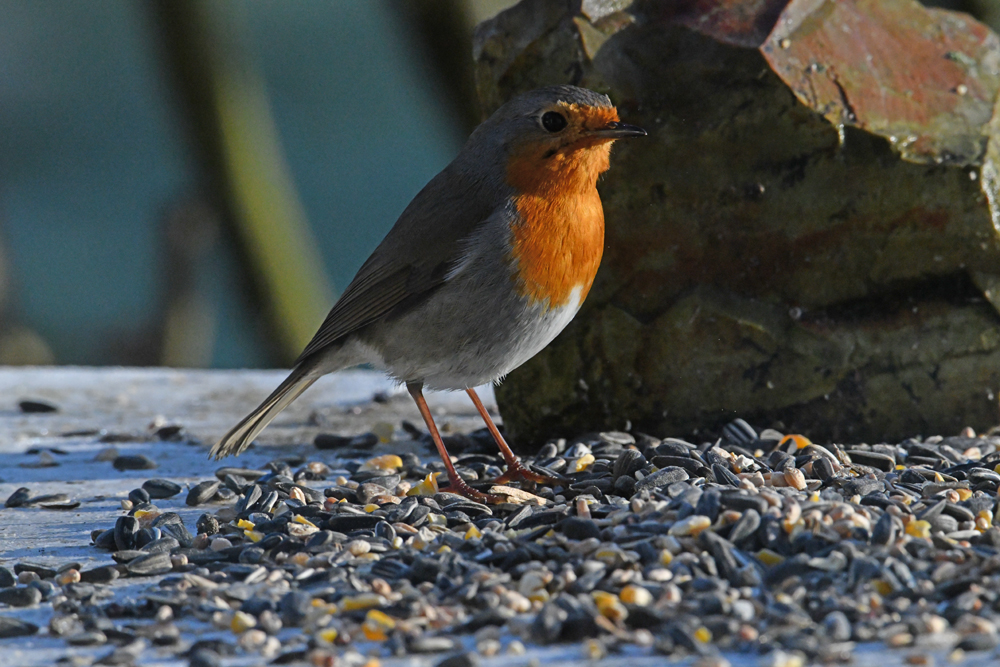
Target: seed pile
[760, 543]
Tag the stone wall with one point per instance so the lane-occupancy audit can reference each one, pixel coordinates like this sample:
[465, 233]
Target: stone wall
[806, 239]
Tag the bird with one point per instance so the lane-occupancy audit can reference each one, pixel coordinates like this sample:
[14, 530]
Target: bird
[484, 267]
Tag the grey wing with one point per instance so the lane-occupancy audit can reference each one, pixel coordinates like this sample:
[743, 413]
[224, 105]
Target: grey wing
[416, 257]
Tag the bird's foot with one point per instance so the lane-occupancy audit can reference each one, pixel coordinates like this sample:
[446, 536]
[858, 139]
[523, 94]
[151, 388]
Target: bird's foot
[518, 471]
[462, 488]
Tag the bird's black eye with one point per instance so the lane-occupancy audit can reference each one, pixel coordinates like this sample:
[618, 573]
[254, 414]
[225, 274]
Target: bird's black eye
[553, 121]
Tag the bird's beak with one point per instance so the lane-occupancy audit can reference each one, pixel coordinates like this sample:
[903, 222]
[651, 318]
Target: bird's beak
[620, 131]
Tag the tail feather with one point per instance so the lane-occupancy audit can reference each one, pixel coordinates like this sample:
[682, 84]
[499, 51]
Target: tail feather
[241, 435]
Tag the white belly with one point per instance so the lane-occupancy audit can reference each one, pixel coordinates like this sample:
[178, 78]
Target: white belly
[449, 346]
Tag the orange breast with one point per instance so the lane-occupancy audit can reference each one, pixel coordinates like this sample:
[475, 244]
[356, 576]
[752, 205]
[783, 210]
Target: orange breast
[558, 245]
[559, 239]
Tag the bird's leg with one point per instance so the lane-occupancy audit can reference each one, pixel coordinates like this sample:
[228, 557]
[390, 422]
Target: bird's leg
[515, 469]
[456, 483]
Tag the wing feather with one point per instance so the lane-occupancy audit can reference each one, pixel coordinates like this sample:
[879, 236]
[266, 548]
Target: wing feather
[415, 258]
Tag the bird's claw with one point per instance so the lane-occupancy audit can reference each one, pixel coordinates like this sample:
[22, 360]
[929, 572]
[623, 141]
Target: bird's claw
[518, 471]
[460, 487]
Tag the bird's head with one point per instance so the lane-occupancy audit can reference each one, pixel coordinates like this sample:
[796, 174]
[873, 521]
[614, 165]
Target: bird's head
[556, 139]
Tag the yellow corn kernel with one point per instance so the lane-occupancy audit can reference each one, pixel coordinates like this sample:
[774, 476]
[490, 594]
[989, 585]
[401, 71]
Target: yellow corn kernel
[769, 558]
[964, 494]
[242, 622]
[473, 533]
[142, 514]
[362, 601]
[428, 487]
[443, 549]
[253, 535]
[384, 431]
[692, 525]
[304, 521]
[437, 520]
[703, 634]
[792, 660]
[328, 636]
[583, 462]
[918, 528]
[377, 625]
[791, 523]
[608, 555]
[801, 441]
[602, 598]
[539, 595]
[384, 462]
[882, 586]
[636, 595]
[666, 558]
[594, 649]
[610, 606]
[371, 507]
[243, 524]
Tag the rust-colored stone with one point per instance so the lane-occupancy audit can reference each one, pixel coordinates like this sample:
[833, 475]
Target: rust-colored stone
[924, 79]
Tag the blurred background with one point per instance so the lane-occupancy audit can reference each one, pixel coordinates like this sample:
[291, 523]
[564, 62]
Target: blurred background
[191, 182]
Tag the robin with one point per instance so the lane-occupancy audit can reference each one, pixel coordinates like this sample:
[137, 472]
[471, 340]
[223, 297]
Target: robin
[487, 264]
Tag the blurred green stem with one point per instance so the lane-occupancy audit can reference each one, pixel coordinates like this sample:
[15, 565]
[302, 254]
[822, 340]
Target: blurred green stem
[235, 132]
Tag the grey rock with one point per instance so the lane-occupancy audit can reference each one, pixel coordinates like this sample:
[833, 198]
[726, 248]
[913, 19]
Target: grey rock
[468, 659]
[161, 488]
[202, 492]
[150, 564]
[661, 478]
[134, 462]
[15, 627]
[26, 596]
[126, 529]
